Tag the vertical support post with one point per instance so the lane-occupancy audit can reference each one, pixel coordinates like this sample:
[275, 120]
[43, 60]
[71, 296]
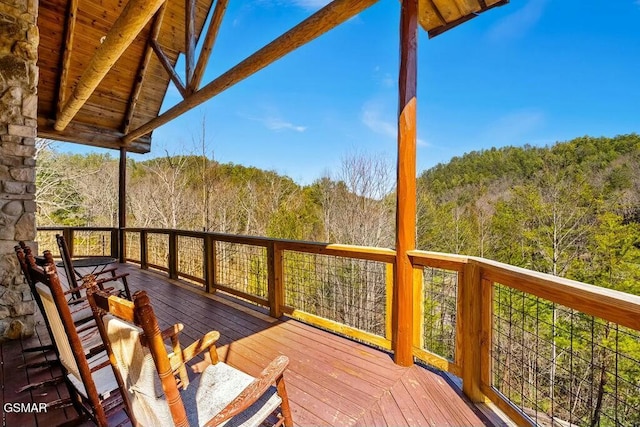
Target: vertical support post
[67, 233]
[209, 263]
[470, 303]
[389, 281]
[486, 360]
[418, 307]
[275, 257]
[122, 202]
[406, 185]
[115, 244]
[173, 255]
[144, 254]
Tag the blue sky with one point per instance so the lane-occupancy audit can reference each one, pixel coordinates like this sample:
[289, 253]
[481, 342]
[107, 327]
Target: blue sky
[533, 71]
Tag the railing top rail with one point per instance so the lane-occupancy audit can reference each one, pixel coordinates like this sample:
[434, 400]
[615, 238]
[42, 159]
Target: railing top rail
[608, 304]
[62, 227]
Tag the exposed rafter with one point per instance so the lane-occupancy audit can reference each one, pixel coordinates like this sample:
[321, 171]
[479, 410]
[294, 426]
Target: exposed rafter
[317, 24]
[69, 32]
[189, 39]
[166, 63]
[207, 46]
[131, 21]
[142, 71]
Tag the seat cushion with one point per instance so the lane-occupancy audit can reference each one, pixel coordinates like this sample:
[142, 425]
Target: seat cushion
[216, 387]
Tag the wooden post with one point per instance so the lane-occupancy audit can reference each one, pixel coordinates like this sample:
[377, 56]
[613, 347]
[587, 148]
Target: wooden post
[173, 255]
[67, 233]
[122, 202]
[389, 281]
[418, 307]
[406, 185]
[115, 244]
[486, 361]
[144, 255]
[275, 257]
[209, 263]
[131, 21]
[470, 304]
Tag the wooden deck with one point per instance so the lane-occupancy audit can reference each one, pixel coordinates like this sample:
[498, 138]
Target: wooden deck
[332, 381]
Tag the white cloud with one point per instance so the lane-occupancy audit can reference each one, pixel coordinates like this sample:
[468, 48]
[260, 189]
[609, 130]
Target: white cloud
[374, 118]
[311, 4]
[513, 128]
[275, 123]
[519, 22]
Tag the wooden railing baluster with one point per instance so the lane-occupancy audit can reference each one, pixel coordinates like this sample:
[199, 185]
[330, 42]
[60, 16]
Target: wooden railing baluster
[144, 254]
[173, 255]
[209, 264]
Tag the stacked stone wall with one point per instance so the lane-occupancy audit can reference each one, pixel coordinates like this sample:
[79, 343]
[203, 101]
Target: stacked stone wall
[18, 123]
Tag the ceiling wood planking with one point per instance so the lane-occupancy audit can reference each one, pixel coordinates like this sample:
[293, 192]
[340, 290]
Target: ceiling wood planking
[134, 17]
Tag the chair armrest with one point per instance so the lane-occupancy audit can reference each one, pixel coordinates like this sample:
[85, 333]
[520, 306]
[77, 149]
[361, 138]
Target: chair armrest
[252, 393]
[201, 345]
[172, 331]
[111, 278]
[106, 270]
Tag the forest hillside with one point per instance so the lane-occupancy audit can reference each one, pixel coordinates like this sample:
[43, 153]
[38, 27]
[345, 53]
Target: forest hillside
[571, 209]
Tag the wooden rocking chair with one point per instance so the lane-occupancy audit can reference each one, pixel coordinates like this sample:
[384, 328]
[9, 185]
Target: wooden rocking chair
[220, 394]
[94, 389]
[73, 277]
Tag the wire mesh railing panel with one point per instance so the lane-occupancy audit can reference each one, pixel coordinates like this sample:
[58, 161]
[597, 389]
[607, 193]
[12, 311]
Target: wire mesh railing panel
[91, 243]
[132, 246]
[158, 250]
[563, 367]
[440, 300]
[345, 290]
[47, 241]
[191, 258]
[242, 267]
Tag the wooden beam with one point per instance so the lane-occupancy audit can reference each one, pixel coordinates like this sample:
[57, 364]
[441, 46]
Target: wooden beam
[406, 185]
[207, 46]
[91, 135]
[142, 71]
[66, 54]
[189, 38]
[122, 202]
[317, 24]
[131, 21]
[164, 60]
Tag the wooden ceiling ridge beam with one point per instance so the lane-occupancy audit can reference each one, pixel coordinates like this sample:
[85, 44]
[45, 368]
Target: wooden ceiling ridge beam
[142, 70]
[207, 46]
[327, 18]
[69, 31]
[131, 21]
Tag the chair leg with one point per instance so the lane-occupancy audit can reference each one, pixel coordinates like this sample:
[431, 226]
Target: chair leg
[286, 409]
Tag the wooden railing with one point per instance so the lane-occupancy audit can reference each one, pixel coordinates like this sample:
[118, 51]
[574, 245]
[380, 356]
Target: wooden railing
[484, 321]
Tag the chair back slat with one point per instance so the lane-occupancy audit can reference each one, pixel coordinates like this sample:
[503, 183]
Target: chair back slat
[66, 261]
[60, 337]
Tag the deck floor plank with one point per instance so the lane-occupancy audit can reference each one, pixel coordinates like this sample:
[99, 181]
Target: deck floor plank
[331, 380]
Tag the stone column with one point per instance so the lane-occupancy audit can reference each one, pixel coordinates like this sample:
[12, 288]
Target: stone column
[18, 121]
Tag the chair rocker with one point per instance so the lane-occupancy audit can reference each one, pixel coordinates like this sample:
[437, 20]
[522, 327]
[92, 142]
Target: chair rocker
[156, 391]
